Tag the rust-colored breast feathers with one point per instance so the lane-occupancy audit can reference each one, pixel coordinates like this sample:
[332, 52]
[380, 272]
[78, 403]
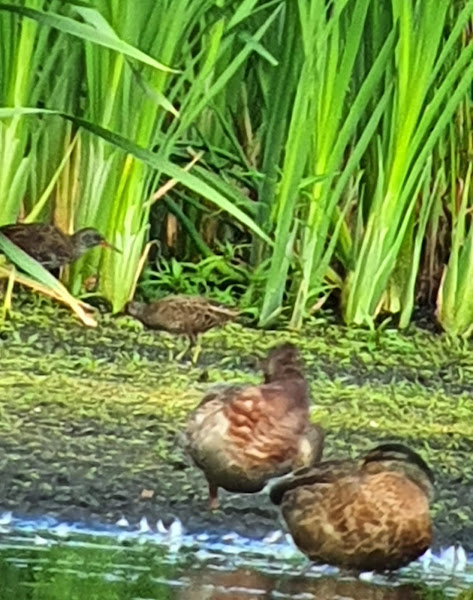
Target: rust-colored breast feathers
[243, 436]
[263, 432]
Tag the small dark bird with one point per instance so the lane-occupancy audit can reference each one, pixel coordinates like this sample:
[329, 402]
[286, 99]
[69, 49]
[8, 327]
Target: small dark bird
[370, 514]
[50, 246]
[241, 436]
[185, 315]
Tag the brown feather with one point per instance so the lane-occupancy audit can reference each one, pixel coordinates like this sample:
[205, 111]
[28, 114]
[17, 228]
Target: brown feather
[49, 245]
[242, 436]
[370, 514]
[188, 315]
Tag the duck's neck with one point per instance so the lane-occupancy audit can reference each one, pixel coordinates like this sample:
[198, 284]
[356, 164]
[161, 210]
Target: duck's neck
[285, 373]
[294, 383]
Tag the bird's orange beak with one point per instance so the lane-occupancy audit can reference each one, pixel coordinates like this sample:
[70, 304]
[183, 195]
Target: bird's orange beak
[105, 244]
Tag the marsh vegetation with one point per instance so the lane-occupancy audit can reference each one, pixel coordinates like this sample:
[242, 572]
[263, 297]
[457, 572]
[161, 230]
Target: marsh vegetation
[305, 162]
[275, 155]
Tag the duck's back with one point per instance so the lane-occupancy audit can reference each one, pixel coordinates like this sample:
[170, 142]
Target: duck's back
[241, 436]
[373, 522]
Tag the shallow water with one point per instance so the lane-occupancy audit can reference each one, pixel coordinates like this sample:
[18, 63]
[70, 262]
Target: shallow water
[46, 560]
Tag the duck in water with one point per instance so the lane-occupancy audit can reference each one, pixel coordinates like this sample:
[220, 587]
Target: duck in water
[370, 514]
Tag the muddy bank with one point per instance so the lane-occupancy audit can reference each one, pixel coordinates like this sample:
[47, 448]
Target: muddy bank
[88, 418]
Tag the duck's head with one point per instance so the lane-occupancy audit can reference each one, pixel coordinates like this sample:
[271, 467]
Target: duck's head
[282, 362]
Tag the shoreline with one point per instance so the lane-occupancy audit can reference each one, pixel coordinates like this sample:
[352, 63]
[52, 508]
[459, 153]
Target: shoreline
[89, 418]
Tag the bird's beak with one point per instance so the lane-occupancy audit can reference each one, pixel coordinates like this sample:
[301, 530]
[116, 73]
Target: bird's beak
[105, 244]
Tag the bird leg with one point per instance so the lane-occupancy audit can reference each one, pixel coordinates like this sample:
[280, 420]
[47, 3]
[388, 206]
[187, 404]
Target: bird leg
[192, 337]
[213, 496]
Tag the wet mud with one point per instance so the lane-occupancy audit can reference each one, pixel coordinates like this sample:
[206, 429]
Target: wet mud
[89, 419]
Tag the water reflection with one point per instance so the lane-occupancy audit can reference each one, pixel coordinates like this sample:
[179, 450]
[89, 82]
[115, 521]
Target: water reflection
[64, 573]
[106, 569]
[245, 584]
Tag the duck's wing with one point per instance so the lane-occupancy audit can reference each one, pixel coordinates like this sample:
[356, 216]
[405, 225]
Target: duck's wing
[326, 472]
[221, 392]
[256, 429]
[205, 414]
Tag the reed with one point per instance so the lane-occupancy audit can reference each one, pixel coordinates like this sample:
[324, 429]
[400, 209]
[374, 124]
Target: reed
[328, 138]
[454, 301]
[326, 114]
[425, 99]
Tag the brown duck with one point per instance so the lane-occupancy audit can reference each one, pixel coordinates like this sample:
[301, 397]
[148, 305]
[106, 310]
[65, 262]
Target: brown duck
[241, 436]
[185, 315]
[370, 514]
[50, 246]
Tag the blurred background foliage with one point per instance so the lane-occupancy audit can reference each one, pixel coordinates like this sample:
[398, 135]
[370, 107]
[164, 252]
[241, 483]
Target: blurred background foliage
[275, 154]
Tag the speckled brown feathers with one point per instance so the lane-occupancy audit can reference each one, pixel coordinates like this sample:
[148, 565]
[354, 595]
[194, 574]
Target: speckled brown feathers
[187, 315]
[50, 246]
[369, 514]
[241, 436]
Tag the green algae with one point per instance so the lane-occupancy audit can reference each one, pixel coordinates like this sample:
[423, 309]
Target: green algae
[114, 396]
[101, 569]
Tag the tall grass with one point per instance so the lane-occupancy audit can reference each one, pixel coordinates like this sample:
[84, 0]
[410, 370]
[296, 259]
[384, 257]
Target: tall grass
[325, 135]
[425, 100]
[112, 189]
[455, 300]
[128, 99]
[36, 67]
[315, 171]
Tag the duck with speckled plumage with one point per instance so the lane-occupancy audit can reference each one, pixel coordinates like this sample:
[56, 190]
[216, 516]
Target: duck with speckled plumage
[243, 435]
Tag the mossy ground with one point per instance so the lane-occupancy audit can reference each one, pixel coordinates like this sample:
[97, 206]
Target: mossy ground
[88, 417]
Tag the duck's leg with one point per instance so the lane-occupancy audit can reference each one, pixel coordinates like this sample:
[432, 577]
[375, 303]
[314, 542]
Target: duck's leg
[213, 496]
